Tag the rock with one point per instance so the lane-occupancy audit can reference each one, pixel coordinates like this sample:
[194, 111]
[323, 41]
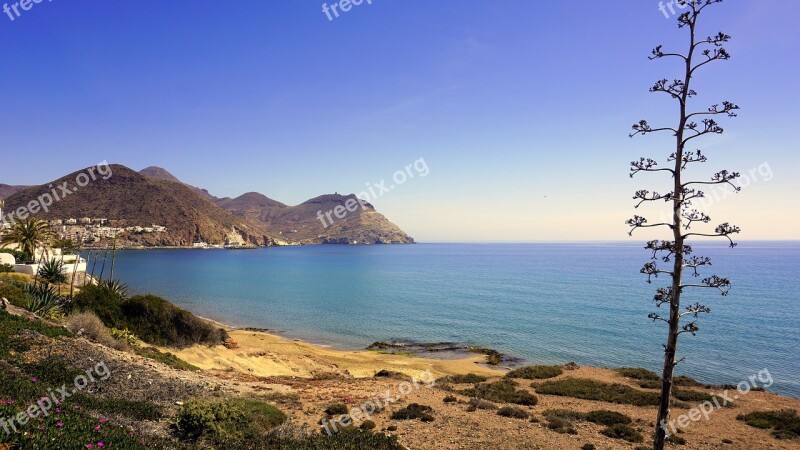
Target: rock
[3, 303]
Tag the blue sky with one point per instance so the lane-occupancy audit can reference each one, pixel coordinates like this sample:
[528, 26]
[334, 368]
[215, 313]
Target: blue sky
[520, 109]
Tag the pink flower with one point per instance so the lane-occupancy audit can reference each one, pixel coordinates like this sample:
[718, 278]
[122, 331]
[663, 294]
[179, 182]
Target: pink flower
[97, 428]
[77, 406]
[60, 424]
[103, 420]
[89, 445]
[34, 379]
[58, 410]
[100, 444]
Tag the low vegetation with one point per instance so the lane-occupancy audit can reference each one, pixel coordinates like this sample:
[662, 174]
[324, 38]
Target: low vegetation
[513, 412]
[624, 432]
[563, 421]
[784, 424]
[503, 391]
[414, 411]
[232, 423]
[535, 372]
[595, 390]
[469, 378]
[152, 319]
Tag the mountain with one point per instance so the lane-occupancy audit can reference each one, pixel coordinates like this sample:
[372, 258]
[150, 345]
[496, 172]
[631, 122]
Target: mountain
[128, 198]
[6, 190]
[361, 224]
[162, 174]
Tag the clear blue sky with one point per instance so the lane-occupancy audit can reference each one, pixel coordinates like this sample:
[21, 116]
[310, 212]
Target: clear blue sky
[520, 109]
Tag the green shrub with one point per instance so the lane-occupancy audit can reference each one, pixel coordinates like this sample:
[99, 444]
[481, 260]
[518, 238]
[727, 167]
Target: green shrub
[346, 440]
[157, 321]
[15, 292]
[367, 425]
[414, 411]
[513, 412]
[450, 399]
[476, 404]
[6, 268]
[503, 391]
[784, 424]
[230, 423]
[595, 390]
[535, 372]
[105, 304]
[692, 396]
[638, 373]
[588, 446]
[624, 432]
[135, 409]
[44, 300]
[608, 418]
[469, 378]
[560, 425]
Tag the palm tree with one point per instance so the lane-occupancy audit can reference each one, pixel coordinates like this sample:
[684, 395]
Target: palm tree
[27, 234]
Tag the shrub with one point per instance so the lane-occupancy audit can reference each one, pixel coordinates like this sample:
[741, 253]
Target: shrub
[624, 432]
[565, 414]
[87, 324]
[346, 440]
[638, 373]
[588, 447]
[535, 372]
[784, 424]
[6, 268]
[595, 390]
[414, 411]
[159, 322]
[476, 403]
[367, 425]
[469, 378]
[608, 418]
[513, 412]
[692, 396]
[450, 399]
[503, 391]
[336, 409]
[560, 425]
[105, 304]
[227, 423]
[14, 291]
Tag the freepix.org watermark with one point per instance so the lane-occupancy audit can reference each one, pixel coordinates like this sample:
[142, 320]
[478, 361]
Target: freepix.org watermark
[762, 379]
[344, 6]
[59, 192]
[674, 7]
[378, 402]
[15, 10]
[99, 372]
[374, 190]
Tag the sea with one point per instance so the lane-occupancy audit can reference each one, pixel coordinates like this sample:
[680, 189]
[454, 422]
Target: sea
[547, 303]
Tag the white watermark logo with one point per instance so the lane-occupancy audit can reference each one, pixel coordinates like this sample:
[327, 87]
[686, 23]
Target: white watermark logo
[344, 6]
[374, 190]
[59, 192]
[705, 409]
[378, 402]
[55, 397]
[15, 10]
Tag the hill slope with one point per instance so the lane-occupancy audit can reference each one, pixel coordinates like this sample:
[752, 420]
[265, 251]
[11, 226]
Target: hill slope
[133, 199]
[7, 190]
[302, 223]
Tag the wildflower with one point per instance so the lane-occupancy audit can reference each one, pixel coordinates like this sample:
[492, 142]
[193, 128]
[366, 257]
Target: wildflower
[60, 424]
[34, 379]
[100, 444]
[97, 428]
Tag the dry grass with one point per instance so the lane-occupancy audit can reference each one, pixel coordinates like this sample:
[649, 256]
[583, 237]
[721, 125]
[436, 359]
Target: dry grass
[88, 325]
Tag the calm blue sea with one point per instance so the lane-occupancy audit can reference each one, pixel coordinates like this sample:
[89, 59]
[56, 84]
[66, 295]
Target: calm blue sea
[547, 303]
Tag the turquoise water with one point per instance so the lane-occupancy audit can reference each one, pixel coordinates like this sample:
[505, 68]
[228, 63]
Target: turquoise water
[547, 303]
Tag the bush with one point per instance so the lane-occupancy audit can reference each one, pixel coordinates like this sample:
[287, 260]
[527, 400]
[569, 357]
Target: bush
[227, 423]
[692, 396]
[106, 305]
[44, 300]
[346, 440]
[14, 291]
[784, 424]
[624, 432]
[588, 447]
[336, 409]
[595, 390]
[560, 425]
[414, 411]
[503, 391]
[535, 372]
[159, 322]
[6, 268]
[367, 425]
[469, 378]
[450, 399]
[608, 418]
[513, 412]
[638, 373]
[87, 324]
[476, 403]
